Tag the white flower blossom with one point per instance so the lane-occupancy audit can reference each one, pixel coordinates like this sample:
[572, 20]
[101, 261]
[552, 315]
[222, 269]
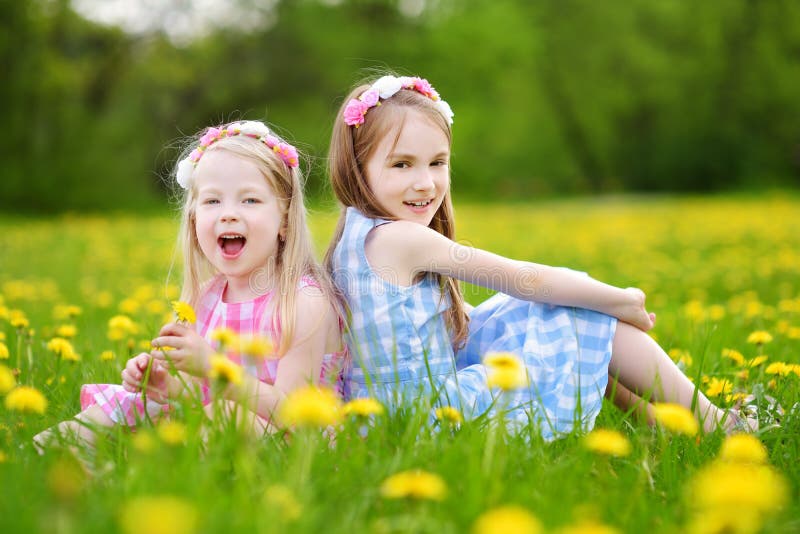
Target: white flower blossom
[387, 86]
[183, 174]
[444, 107]
[259, 129]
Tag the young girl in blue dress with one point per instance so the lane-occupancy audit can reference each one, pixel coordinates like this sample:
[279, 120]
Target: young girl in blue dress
[394, 260]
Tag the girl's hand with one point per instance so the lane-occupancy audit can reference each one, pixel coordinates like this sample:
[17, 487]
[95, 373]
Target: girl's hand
[634, 312]
[190, 354]
[158, 382]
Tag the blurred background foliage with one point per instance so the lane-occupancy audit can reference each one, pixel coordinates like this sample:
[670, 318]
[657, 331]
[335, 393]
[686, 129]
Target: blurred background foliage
[551, 97]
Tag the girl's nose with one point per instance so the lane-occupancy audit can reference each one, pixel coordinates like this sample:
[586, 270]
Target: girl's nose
[424, 182]
[229, 214]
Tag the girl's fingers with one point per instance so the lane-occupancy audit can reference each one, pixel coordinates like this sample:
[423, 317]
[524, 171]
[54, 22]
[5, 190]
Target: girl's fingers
[173, 329]
[168, 341]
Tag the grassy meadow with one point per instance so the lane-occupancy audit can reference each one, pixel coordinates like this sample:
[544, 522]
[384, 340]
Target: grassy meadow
[716, 270]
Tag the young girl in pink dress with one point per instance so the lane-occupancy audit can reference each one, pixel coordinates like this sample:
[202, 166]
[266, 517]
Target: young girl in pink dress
[248, 269]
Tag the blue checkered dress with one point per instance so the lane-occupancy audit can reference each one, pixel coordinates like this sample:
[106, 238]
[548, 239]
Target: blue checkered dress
[400, 346]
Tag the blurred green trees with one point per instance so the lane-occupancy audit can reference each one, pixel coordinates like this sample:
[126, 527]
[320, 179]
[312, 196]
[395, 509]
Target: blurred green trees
[551, 97]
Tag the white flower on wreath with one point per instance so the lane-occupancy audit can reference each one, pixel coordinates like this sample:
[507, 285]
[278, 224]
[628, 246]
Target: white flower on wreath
[444, 107]
[183, 174]
[387, 86]
[256, 128]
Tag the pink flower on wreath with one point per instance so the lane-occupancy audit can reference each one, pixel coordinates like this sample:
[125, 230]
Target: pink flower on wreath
[210, 136]
[354, 112]
[370, 97]
[195, 155]
[271, 141]
[421, 85]
[288, 153]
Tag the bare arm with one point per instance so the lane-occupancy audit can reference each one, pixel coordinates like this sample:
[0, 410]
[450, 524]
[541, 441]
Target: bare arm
[413, 249]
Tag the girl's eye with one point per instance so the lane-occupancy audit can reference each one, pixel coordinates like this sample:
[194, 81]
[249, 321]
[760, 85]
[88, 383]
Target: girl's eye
[251, 201]
[401, 165]
[438, 163]
[211, 201]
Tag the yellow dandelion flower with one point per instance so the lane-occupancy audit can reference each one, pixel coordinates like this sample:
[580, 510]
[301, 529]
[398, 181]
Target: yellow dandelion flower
[723, 521]
[759, 337]
[120, 327]
[716, 312]
[61, 347]
[778, 368]
[588, 527]
[364, 407]
[795, 368]
[27, 400]
[7, 380]
[283, 502]
[171, 432]
[310, 406]
[449, 414]
[184, 312]
[107, 355]
[414, 484]
[66, 331]
[606, 441]
[129, 306]
[3, 457]
[743, 374]
[2, 336]
[717, 387]
[758, 360]
[226, 337]
[4, 355]
[224, 370]
[162, 514]
[738, 486]
[509, 519]
[793, 332]
[736, 397]
[505, 371]
[676, 418]
[743, 448]
[258, 347]
[63, 312]
[734, 355]
[144, 442]
[18, 320]
[694, 310]
[4, 314]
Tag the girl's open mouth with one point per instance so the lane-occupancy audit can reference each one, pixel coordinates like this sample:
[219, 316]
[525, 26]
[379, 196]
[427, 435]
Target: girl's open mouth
[231, 244]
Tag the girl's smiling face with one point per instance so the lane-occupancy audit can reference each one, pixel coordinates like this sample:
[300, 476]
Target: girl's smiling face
[238, 218]
[409, 172]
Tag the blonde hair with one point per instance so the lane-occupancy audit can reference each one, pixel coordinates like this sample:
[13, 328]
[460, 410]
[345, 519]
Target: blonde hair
[294, 258]
[350, 150]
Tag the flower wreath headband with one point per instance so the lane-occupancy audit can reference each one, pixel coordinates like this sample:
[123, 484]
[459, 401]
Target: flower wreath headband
[255, 129]
[387, 87]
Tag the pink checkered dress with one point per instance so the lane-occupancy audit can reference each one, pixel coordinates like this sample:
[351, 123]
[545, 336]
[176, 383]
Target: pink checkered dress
[244, 318]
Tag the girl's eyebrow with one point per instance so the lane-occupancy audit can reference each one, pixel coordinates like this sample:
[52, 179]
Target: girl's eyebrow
[400, 155]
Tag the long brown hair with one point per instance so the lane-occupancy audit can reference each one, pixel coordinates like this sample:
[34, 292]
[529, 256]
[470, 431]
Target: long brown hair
[349, 152]
[294, 258]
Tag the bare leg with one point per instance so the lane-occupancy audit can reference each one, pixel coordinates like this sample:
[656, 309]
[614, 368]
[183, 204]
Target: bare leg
[628, 401]
[77, 430]
[644, 368]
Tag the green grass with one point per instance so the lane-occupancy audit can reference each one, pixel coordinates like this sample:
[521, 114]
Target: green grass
[715, 270]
